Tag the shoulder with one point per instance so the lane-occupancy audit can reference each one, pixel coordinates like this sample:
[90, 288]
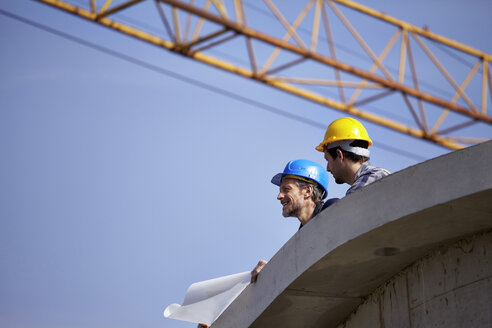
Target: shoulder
[367, 174]
[329, 202]
[367, 169]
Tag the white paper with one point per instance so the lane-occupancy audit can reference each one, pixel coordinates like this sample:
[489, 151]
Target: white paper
[206, 300]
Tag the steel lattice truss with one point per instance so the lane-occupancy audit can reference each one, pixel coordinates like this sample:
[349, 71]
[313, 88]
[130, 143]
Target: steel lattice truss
[307, 56]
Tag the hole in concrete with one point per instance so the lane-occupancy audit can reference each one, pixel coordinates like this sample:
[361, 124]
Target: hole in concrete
[387, 251]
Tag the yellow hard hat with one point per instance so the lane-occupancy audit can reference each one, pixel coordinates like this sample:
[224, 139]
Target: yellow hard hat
[345, 128]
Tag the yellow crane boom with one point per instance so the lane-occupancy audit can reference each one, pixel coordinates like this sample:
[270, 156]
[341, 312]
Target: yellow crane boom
[376, 83]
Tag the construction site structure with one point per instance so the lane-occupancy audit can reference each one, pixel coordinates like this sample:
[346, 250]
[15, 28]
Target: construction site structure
[310, 53]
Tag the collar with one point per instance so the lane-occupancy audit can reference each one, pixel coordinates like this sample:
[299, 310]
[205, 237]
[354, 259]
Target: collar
[316, 211]
[361, 169]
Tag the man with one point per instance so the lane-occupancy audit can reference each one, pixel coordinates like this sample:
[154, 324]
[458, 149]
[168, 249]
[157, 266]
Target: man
[303, 186]
[346, 151]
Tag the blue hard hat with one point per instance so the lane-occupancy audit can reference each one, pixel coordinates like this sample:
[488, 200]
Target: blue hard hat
[305, 169]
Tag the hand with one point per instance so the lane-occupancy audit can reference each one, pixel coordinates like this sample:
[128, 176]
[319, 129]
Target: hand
[257, 269]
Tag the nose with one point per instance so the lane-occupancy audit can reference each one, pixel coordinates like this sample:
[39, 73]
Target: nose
[328, 167]
[280, 196]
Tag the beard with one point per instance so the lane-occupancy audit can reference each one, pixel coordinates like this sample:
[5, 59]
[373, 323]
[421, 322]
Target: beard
[338, 179]
[290, 211]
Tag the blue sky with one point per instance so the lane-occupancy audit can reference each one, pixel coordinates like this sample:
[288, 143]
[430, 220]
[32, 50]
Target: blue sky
[120, 186]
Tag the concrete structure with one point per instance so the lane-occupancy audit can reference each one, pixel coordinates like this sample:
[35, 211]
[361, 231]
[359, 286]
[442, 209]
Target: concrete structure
[351, 252]
[449, 288]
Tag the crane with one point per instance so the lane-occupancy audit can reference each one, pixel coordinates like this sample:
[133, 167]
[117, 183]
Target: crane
[308, 62]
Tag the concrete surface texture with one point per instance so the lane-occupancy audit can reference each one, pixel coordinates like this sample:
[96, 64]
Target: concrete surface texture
[451, 287]
[327, 269]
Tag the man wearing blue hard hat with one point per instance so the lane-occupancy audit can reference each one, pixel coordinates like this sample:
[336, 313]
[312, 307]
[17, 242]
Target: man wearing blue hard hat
[303, 186]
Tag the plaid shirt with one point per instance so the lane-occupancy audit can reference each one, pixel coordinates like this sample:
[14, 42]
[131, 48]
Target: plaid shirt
[367, 174]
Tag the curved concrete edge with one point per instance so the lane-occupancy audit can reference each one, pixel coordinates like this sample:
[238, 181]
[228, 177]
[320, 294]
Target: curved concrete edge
[321, 274]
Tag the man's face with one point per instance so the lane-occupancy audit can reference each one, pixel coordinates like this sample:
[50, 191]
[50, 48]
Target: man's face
[291, 196]
[333, 165]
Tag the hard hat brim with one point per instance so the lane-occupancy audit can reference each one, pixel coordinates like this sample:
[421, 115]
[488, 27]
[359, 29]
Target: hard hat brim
[321, 147]
[277, 179]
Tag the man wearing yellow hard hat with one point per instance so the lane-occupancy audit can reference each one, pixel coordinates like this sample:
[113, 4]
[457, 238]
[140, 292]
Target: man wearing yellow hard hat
[345, 146]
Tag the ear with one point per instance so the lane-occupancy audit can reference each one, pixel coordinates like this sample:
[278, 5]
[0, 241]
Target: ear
[308, 192]
[340, 154]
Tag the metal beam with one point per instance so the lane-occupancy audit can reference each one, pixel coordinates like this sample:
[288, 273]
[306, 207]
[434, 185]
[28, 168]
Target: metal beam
[369, 79]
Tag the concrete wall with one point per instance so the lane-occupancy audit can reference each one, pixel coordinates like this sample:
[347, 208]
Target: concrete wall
[451, 287]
